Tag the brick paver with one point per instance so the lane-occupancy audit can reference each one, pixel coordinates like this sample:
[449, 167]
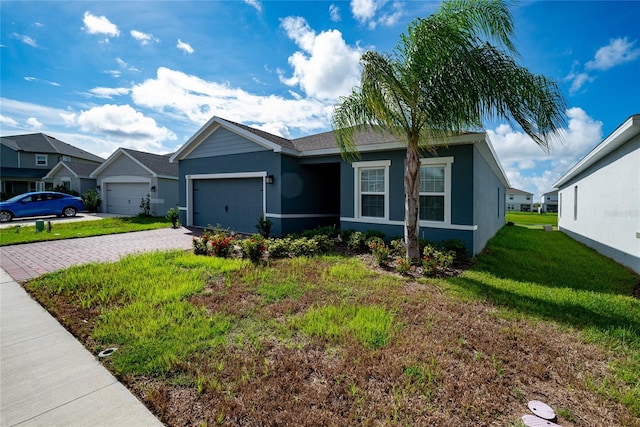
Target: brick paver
[24, 262]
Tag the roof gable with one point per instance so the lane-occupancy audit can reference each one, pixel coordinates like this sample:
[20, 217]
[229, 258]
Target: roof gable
[152, 164]
[263, 139]
[79, 170]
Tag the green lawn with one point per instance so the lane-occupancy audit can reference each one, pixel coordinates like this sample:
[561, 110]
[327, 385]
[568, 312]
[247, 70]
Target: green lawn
[15, 235]
[532, 219]
[205, 340]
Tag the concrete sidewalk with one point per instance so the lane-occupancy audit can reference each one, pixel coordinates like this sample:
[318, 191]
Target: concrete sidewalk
[47, 378]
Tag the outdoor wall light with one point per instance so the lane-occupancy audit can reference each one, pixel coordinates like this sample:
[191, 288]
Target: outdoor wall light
[269, 179]
[98, 187]
[153, 189]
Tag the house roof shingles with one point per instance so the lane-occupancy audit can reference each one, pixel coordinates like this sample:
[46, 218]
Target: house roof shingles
[45, 144]
[81, 169]
[157, 163]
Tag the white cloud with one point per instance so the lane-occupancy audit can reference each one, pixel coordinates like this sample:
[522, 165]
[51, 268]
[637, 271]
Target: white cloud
[185, 47]
[520, 155]
[33, 123]
[334, 13]
[578, 81]
[617, 52]
[25, 39]
[126, 66]
[364, 10]
[373, 13]
[144, 38]
[7, 121]
[125, 123]
[36, 80]
[326, 68]
[99, 25]
[188, 97]
[108, 92]
[255, 4]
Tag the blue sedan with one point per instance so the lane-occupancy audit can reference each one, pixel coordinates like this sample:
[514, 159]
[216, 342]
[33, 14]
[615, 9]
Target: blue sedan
[40, 203]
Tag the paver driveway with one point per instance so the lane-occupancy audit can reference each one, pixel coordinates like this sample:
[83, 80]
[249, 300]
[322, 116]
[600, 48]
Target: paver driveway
[27, 261]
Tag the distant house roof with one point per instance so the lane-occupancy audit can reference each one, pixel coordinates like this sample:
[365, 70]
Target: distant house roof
[554, 192]
[519, 192]
[45, 144]
[623, 134]
[156, 164]
[79, 170]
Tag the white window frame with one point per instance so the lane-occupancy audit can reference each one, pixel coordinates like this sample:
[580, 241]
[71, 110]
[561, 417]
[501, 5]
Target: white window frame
[358, 167]
[446, 162]
[42, 157]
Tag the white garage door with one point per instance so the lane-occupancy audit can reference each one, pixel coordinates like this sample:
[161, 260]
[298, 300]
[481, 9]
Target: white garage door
[125, 198]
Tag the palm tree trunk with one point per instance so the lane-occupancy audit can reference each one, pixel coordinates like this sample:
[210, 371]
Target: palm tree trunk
[412, 202]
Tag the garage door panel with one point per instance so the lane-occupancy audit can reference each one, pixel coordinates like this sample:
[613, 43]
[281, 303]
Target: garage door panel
[233, 203]
[125, 198]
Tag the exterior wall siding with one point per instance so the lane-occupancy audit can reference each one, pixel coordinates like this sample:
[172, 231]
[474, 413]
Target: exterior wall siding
[223, 143]
[462, 197]
[488, 202]
[165, 196]
[606, 214]
[8, 157]
[123, 165]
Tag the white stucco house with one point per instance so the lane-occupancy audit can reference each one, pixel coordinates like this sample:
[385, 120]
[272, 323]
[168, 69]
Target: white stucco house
[599, 197]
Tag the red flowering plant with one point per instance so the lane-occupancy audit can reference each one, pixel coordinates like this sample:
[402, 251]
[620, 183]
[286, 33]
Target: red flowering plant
[434, 260]
[220, 245]
[254, 248]
[380, 251]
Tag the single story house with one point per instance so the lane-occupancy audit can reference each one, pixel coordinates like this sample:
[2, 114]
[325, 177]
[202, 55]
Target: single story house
[599, 197]
[128, 177]
[518, 200]
[72, 176]
[231, 174]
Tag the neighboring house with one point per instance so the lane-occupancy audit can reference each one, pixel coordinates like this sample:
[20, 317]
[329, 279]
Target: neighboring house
[518, 200]
[72, 176]
[129, 176]
[549, 202]
[231, 174]
[600, 196]
[26, 159]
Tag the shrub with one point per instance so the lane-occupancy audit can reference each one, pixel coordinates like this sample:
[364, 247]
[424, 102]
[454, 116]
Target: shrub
[264, 226]
[254, 248]
[92, 200]
[456, 245]
[398, 248]
[357, 242]
[328, 231]
[145, 206]
[220, 245]
[65, 190]
[200, 246]
[303, 247]
[380, 252]
[325, 243]
[434, 260]
[278, 248]
[173, 215]
[370, 234]
[403, 265]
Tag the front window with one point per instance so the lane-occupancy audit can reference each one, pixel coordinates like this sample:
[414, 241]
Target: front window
[66, 185]
[41, 160]
[435, 189]
[432, 194]
[372, 189]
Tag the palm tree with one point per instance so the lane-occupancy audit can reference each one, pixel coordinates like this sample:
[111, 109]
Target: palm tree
[449, 72]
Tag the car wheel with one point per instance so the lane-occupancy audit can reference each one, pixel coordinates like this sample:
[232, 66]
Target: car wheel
[69, 211]
[5, 216]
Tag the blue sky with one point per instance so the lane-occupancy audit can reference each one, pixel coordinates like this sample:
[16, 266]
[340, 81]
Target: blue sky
[146, 75]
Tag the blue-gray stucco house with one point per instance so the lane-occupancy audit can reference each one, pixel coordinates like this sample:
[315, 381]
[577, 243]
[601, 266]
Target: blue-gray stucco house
[230, 174]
